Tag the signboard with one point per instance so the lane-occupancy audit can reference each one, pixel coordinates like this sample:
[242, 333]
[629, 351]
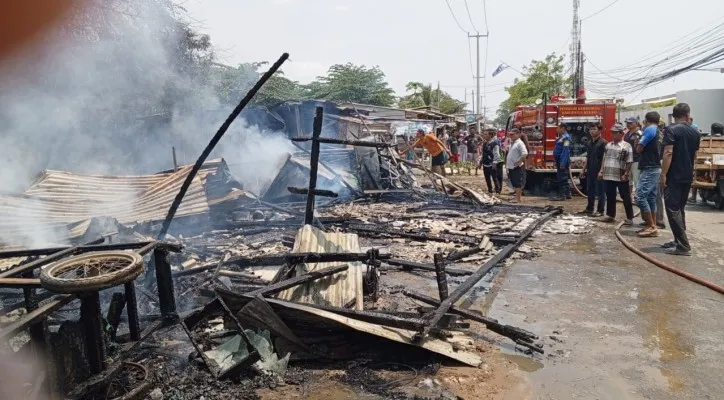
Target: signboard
[718, 159]
[470, 118]
[579, 110]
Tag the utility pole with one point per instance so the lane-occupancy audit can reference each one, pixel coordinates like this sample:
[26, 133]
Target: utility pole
[575, 49]
[477, 37]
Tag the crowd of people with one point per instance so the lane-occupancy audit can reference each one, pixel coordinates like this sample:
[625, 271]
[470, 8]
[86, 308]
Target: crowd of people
[649, 164]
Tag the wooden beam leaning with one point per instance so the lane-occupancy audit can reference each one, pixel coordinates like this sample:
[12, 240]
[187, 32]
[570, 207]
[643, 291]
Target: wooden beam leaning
[473, 280]
[298, 280]
[34, 316]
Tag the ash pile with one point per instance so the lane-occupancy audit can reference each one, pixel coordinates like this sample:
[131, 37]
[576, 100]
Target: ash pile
[241, 291]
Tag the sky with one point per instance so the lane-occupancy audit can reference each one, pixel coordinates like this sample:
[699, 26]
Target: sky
[418, 40]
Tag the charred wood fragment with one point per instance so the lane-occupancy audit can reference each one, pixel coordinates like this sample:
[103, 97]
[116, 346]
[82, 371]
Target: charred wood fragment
[317, 192]
[411, 265]
[296, 281]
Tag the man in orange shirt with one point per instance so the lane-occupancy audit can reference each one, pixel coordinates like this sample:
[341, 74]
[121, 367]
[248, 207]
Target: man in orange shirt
[435, 147]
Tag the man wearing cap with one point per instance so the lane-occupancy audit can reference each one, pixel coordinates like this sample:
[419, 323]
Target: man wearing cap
[562, 155]
[615, 171]
[435, 147]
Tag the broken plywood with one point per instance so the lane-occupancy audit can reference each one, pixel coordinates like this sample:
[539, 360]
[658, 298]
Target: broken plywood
[337, 290]
[438, 346]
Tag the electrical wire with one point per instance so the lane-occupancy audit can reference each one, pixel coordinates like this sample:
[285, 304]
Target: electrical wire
[601, 10]
[470, 17]
[485, 15]
[455, 18]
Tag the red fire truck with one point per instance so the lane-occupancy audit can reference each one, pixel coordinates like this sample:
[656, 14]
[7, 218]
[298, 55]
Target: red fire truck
[540, 122]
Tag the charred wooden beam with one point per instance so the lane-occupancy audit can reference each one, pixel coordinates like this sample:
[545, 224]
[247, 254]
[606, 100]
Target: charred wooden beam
[91, 246]
[90, 316]
[514, 333]
[473, 280]
[34, 316]
[375, 230]
[317, 192]
[288, 222]
[115, 309]
[296, 281]
[38, 297]
[441, 277]
[367, 316]
[411, 265]
[20, 283]
[134, 326]
[357, 143]
[164, 280]
[313, 166]
[302, 258]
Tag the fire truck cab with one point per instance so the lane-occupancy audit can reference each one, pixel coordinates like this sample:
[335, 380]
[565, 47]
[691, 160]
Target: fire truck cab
[540, 123]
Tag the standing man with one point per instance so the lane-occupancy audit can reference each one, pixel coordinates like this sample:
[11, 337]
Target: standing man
[453, 143]
[617, 160]
[681, 143]
[472, 145]
[435, 147]
[514, 163]
[595, 188]
[463, 146]
[524, 138]
[649, 166]
[562, 155]
[632, 137]
[491, 161]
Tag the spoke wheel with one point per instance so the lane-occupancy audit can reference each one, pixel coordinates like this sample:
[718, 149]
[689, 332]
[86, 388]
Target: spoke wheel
[132, 383]
[91, 272]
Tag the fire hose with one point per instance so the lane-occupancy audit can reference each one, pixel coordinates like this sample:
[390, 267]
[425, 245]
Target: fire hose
[657, 262]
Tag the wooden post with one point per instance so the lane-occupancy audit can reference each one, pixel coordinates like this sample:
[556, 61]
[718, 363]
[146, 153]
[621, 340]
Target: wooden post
[175, 164]
[90, 315]
[441, 276]
[164, 280]
[134, 327]
[314, 166]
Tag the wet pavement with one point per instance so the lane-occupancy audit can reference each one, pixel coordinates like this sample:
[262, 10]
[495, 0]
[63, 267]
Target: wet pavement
[615, 326]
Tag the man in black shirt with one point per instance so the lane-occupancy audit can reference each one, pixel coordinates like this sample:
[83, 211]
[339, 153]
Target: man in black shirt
[681, 143]
[595, 188]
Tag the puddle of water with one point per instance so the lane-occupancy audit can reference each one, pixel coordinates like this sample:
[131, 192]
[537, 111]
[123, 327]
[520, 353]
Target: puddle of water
[524, 363]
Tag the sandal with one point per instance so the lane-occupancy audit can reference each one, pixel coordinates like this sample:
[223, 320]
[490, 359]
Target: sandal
[649, 233]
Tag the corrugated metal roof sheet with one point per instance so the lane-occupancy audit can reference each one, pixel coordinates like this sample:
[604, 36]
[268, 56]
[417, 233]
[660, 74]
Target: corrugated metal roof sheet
[59, 198]
[336, 290]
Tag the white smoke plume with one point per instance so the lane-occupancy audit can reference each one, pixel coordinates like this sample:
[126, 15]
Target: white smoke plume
[111, 93]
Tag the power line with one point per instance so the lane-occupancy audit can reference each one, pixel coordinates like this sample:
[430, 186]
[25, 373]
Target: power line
[485, 15]
[455, 18]
[601, 10]
[470, 16]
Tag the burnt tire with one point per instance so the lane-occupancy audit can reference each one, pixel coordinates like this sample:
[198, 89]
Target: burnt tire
[91, 272]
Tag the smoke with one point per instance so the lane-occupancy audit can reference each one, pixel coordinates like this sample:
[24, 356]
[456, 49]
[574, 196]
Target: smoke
[117, 86]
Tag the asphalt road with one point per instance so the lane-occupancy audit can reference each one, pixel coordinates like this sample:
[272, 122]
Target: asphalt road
[615, 326]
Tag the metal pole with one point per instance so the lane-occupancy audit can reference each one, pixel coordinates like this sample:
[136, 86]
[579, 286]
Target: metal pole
[314, 166]
[175, 164]
[477, 41]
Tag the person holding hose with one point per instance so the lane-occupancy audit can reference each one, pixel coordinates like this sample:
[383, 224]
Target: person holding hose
[562, 155]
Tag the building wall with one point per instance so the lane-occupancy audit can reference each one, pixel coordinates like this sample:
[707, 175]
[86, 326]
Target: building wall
[707, 106]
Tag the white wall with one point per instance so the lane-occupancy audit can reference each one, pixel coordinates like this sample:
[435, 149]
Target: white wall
[707, 106]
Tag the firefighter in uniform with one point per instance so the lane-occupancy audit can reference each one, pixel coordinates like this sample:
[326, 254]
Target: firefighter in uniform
[562, 155]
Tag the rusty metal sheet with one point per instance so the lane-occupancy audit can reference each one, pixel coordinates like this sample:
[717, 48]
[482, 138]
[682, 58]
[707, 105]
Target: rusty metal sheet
[336, 290]
[58, 198]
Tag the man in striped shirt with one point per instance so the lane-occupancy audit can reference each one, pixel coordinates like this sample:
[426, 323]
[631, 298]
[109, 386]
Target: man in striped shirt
[615, 171]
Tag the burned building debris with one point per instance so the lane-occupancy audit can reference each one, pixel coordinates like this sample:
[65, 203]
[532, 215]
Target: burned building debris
[345, 253]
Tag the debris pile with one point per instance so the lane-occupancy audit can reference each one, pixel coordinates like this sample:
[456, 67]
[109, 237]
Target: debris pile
[247, 288]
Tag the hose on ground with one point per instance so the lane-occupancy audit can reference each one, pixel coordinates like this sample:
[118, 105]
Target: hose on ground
[665, 266]
[655, 261]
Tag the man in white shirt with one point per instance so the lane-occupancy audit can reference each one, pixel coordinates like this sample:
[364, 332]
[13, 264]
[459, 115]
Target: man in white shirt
[514, 163]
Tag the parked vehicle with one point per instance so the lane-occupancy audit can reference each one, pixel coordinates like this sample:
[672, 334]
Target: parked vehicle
[709, 170]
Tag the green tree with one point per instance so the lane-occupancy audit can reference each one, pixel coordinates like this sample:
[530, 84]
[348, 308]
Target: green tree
[354, 83]
[424, 95]
[541, 77]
